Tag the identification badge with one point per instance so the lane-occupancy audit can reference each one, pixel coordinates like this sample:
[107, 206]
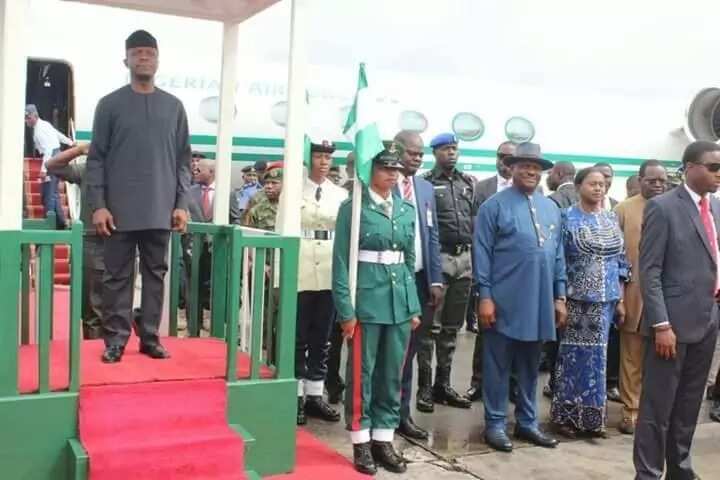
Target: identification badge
[428, 211]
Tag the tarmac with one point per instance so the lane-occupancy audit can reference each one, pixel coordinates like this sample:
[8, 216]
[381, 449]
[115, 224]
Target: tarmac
[456, 450]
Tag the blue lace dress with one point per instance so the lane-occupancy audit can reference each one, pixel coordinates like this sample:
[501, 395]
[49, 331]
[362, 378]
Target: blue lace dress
[596, 264]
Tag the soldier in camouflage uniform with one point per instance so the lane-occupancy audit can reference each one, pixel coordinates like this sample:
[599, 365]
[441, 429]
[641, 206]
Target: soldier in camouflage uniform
[263, 211]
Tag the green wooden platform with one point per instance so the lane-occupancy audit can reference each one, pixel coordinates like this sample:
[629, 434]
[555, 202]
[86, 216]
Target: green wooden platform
[39, 438]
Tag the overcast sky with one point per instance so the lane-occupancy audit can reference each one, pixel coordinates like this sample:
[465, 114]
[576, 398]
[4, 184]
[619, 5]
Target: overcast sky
[630, 45]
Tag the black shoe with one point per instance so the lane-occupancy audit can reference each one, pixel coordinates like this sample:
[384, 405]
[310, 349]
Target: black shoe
[316, 407]
[154, 350]
[424, 401]
[113, 354]
[715, 411]
[613, 394]
[363, 460]
[446, 395]
[301, 418]
[472, 328]
[535, 436]
[498, 440]
[408, 428]
[547, 391]
[385, 455]
[335, 393]
[474, 394]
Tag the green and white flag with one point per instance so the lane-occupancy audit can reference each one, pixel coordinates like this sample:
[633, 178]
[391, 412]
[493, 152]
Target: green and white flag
[362, 129]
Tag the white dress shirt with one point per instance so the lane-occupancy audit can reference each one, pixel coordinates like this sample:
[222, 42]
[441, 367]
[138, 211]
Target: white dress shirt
[418, 239]
[47, 140]
[503, 183]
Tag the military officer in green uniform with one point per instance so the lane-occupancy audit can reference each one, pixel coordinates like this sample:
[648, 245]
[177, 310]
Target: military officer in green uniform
[262, 210]
[386, 310]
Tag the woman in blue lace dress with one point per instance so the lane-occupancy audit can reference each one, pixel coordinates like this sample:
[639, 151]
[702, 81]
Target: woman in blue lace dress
[596, 270]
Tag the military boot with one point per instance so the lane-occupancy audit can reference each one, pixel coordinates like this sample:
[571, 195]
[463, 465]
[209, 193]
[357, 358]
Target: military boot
[316, 407]
[444, 394]
[424, 397]
[301, 418]
[363, 460]
[385, 455]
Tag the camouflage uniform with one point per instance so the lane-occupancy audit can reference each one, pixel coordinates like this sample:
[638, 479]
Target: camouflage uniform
[262, 213]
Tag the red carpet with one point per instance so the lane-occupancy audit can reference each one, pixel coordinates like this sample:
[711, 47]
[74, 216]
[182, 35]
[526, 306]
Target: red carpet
[192, 359]
[316, 461]
[61, 309]
[163, 430]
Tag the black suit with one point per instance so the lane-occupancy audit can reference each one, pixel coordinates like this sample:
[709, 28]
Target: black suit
[565, 196]
[679, 274]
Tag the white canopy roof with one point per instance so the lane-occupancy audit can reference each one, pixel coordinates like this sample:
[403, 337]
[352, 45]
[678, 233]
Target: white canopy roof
[230, 11]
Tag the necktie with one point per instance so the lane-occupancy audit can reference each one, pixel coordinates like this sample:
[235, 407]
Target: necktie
[407, 189]
[206, 206]
[387, 207]
[318, 194]
[707, 223]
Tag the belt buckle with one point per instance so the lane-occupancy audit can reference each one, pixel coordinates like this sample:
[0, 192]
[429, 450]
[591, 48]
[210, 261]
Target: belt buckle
[379, 257]
[321, 235]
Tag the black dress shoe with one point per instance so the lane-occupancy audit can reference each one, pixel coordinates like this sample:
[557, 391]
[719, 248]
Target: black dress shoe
[113, 354]
[715, 411]
[498, 440]
[301, 418]
[446, 395]
[155, 351]
[363, 460]
[409, 429]
[385, 455]
[474, 394]
[536, 437]
[472, 328]
[316, 407]
[424, 401]
[613, 394]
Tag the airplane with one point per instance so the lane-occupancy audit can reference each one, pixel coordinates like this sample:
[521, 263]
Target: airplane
[590, 84]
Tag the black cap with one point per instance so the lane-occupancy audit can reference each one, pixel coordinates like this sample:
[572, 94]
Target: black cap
[249, 169]
[388, 158]
[260, 165]
[140, 38]
[323, 147]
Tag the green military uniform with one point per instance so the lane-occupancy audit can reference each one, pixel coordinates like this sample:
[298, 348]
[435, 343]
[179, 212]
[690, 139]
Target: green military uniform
[386, 301]
[262, 214]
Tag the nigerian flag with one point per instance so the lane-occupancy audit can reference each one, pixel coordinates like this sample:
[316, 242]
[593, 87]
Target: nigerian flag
[362, 130]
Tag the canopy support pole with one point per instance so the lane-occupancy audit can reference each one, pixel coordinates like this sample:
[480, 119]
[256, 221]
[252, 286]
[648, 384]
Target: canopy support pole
[12, 99]
[291, 198]
[223, 158]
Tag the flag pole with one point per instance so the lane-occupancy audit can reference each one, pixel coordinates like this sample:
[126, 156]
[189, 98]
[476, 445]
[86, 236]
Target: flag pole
[354, 235]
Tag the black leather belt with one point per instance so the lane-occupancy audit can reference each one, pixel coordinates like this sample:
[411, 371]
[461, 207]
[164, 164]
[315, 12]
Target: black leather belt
[318, 234]
[455, 249]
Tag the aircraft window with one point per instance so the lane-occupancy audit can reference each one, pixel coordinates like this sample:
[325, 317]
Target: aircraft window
[468, 126]
[412, 121]
[210, 109]
[519, 129]
[278, 113]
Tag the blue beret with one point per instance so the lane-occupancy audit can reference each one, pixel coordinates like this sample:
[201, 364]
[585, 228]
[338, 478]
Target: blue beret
[443, 139]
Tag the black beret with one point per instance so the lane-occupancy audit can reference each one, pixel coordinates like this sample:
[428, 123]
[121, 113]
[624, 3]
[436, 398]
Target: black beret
[140, 38]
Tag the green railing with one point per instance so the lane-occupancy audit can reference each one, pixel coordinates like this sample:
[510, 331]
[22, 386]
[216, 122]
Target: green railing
[261, 264]
[16, 265]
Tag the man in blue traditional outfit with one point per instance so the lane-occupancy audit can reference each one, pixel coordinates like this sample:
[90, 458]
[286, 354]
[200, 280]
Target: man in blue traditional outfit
[519, 270]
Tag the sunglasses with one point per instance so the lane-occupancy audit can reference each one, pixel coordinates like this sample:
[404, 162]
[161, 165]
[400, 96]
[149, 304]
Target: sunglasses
[712, 167]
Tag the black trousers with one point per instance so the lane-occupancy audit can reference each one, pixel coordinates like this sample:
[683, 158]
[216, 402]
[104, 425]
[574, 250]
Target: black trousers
[315, 318]
[93, 271]
[333, 380]
[118, 286]
[672, 392]
[423, 291]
